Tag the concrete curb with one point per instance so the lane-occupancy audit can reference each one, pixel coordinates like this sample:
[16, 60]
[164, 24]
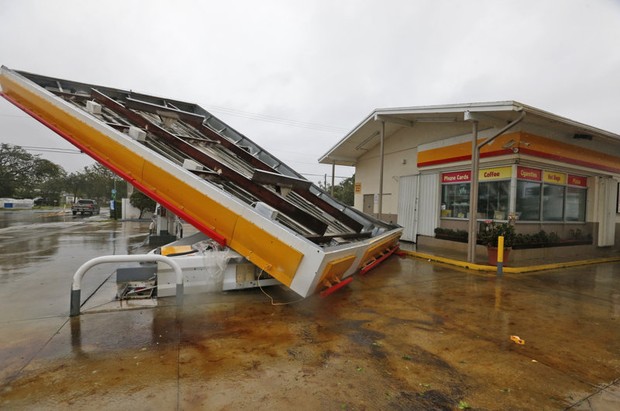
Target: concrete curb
[512, 270]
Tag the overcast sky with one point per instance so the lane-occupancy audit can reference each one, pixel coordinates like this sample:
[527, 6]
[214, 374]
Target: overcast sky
[296, 76]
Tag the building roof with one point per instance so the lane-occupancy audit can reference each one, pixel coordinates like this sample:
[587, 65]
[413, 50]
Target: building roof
[490, 114]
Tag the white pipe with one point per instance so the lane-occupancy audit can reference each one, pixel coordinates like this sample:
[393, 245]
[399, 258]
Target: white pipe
[381, 165]
[141, 258]
[475, 166]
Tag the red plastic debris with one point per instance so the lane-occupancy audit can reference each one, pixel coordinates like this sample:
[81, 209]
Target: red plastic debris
[378, 261]
[335, 287]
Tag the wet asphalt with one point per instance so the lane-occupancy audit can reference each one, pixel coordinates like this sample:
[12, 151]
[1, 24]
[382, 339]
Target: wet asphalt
[409, 335]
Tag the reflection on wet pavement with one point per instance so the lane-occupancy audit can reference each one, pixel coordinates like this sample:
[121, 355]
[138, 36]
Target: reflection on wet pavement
[409, 335]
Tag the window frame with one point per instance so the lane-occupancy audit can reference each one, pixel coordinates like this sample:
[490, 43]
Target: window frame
[572, 183]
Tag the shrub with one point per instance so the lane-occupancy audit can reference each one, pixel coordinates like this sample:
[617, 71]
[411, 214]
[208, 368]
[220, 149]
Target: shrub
[450, 234]
[492, 230]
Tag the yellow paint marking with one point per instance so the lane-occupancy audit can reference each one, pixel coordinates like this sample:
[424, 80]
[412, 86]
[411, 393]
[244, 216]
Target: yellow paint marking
[512, 270]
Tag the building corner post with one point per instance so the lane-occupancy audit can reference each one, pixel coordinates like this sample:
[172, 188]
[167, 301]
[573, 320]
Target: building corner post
[381, 159]
[333, 176]
[473, 196]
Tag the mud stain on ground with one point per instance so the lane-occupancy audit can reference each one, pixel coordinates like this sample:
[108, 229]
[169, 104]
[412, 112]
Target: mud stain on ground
[408, 336]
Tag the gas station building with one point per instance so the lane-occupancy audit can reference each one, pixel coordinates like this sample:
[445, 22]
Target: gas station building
[413, 166]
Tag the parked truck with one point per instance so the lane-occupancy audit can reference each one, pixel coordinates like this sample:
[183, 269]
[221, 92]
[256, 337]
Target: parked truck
[85, 206]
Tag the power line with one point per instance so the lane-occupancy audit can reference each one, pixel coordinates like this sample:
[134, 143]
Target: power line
[75, 151]
[324, 128]
[14, 115]
[323, 175]
[302, 162]
[52, 150]
[278, 120]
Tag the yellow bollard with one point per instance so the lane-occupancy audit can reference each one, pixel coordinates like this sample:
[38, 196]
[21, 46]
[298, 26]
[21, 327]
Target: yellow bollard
[500, 255]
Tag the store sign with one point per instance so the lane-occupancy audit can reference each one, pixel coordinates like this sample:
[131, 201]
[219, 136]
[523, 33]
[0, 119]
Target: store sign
[554, 178]
[526, 173]
[456, 177]
[579, 181]
[358, 188]
[534, 174]
[498, 173]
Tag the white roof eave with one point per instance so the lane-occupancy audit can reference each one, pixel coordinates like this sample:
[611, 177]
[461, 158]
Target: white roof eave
[457, 109]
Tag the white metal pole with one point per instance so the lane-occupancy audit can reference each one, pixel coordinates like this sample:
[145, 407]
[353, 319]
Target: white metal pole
[473, 196]
[381, 158]
[333, 176]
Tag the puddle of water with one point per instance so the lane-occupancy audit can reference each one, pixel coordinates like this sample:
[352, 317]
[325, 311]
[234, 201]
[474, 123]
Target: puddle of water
[408, 336]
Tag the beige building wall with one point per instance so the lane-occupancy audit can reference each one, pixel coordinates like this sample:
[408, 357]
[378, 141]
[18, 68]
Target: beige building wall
[401, 153]
[400, 159]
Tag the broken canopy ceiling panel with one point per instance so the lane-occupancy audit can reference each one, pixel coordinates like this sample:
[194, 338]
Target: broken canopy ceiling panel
[210, 175]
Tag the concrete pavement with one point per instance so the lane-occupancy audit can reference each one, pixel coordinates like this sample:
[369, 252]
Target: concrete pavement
[411, 334]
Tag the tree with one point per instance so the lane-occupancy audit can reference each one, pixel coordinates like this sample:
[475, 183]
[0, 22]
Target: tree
[96, 182]
[15, 164]
[50, 181]
[343, 191]
[141, 202]
[101, 181]
[77, 185]
[23, 174]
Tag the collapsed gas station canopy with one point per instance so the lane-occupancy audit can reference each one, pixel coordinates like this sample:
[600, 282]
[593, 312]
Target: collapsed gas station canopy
[210, 175]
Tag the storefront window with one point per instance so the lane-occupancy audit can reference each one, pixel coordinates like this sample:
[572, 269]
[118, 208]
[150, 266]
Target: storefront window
[455, 200]
[528, 200]
[553, 202]
[493, 200]
[563, 196]
[575, 204]
[541, 195]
